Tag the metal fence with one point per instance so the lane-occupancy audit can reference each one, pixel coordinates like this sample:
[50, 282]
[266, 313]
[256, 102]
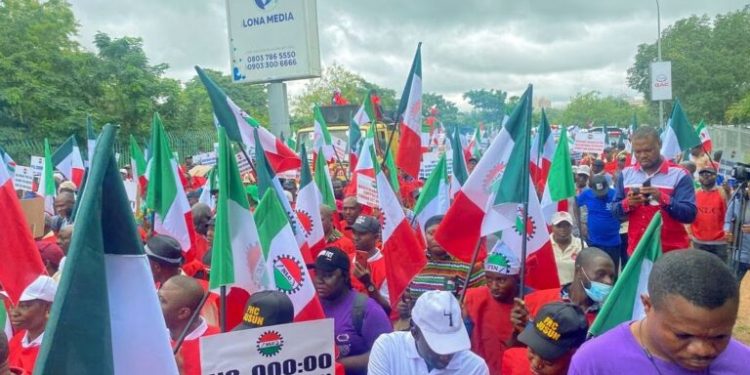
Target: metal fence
[734, 141]
[183, 143]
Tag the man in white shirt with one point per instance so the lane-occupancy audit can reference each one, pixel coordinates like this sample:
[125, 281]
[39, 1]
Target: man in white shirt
[565, 245]
[437, 342]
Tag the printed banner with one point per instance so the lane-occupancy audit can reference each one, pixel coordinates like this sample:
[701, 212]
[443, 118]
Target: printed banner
[589, 142]
[280, 349]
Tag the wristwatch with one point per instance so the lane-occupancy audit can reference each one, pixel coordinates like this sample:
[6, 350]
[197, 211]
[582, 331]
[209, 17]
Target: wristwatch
[370, 288]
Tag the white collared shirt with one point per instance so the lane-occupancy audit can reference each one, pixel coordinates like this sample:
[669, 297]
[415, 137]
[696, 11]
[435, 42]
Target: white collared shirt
[36, 342]
[198, 331]
[396, 353]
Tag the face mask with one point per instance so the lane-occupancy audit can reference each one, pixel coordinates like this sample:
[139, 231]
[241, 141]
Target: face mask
[598, 291]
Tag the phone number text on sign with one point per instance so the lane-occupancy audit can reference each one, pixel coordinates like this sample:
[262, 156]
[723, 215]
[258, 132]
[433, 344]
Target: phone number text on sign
[276, 350]
[271, 60]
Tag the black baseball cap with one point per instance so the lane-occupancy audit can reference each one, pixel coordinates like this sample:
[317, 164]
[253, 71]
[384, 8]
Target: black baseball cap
[557, 328]
[331, 259]
[365, 224]
[599, 162]
[267, 308]
[164, 249]
[599, 185]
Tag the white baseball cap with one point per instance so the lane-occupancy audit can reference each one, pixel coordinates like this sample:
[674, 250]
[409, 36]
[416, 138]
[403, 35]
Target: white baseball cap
[43, 288]
[561, 216]
[583, 169]
[438, 316]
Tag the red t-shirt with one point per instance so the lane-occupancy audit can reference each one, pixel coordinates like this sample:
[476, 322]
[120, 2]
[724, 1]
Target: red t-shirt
[343, 243]
[191, 353]
[516, 362]
[19, 356]
[492, 326]
[376, 265]
[709, 221]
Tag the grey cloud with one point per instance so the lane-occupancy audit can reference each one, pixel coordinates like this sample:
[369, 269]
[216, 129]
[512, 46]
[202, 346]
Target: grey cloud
[561, 46]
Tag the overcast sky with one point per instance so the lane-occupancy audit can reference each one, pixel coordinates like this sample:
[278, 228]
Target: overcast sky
[561, 46]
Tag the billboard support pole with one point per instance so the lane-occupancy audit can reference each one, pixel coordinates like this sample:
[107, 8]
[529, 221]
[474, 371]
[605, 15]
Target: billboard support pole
[278, 108]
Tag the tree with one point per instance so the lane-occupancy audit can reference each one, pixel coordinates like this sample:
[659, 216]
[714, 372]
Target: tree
[592, 107]
[194, 107]
[709, 61]
[132, 90]
[320, 91]
[447, 109]
[42, 69]
[489, 105]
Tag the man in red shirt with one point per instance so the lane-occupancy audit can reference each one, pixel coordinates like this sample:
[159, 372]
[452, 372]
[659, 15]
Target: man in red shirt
[350, 211]
[707, 231]
[180, 296]
[592, 281]
[488, 307]
[333, 236]
[368, 263]
[29, 318]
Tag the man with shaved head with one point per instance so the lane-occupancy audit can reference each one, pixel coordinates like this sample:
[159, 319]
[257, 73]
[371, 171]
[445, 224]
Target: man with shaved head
[180, 296]
[63, 241]
[201, 216]
[350, 211]
[333, 236]
[64, 202]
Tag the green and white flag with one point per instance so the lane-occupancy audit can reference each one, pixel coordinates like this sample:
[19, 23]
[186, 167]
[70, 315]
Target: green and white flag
[679, 136]
[434, 198]
[284, 260]
[323, 180]
[560, 183]
[46, 187]
[236, 258]
[106, 318]
[321, 136]
[624, 302]
[165, 194]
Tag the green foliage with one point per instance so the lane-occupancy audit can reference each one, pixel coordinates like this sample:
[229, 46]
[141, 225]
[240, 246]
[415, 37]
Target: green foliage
[489, 105]
[320, 91]
[709, 59]
[195, 110]
[739, 112]
[592, 106]
[448, 111]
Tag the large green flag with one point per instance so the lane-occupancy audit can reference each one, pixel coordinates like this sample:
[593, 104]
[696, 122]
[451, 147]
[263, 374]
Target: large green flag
[624, 302]
[106, 318]
[323, 180]
[236, 258]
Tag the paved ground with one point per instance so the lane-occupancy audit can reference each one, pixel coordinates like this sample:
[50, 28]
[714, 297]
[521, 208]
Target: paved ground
[742, 328]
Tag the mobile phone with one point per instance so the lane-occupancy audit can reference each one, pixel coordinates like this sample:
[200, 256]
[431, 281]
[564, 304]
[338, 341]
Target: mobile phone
[646, 183]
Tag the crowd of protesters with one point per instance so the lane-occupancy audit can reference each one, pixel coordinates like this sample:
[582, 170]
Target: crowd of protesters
[457, 317]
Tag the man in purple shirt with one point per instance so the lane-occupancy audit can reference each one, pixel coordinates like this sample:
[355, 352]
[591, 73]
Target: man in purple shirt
[691, 308]
[357, 319]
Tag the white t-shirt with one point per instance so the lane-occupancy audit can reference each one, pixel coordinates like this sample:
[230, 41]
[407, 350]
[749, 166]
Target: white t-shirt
[396, 353]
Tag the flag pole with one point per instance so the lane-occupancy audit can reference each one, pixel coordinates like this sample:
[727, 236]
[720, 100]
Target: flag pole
[525, 187]
[396, 126]
[471, 269]
[193, 317]
[223, 308]
[247, 157]
[341, 165]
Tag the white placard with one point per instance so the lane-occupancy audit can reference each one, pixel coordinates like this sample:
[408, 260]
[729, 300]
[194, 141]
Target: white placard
[242, 163]
[273, 40]
[589, 142]
[205, 158]
[661, 80]
[429, 162]
[367, 191]
[298, 348]
[24, 178]
[339, 145]
[37, 165]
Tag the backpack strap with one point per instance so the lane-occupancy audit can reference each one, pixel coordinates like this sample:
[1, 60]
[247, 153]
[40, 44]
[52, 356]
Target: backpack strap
[358, 312]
